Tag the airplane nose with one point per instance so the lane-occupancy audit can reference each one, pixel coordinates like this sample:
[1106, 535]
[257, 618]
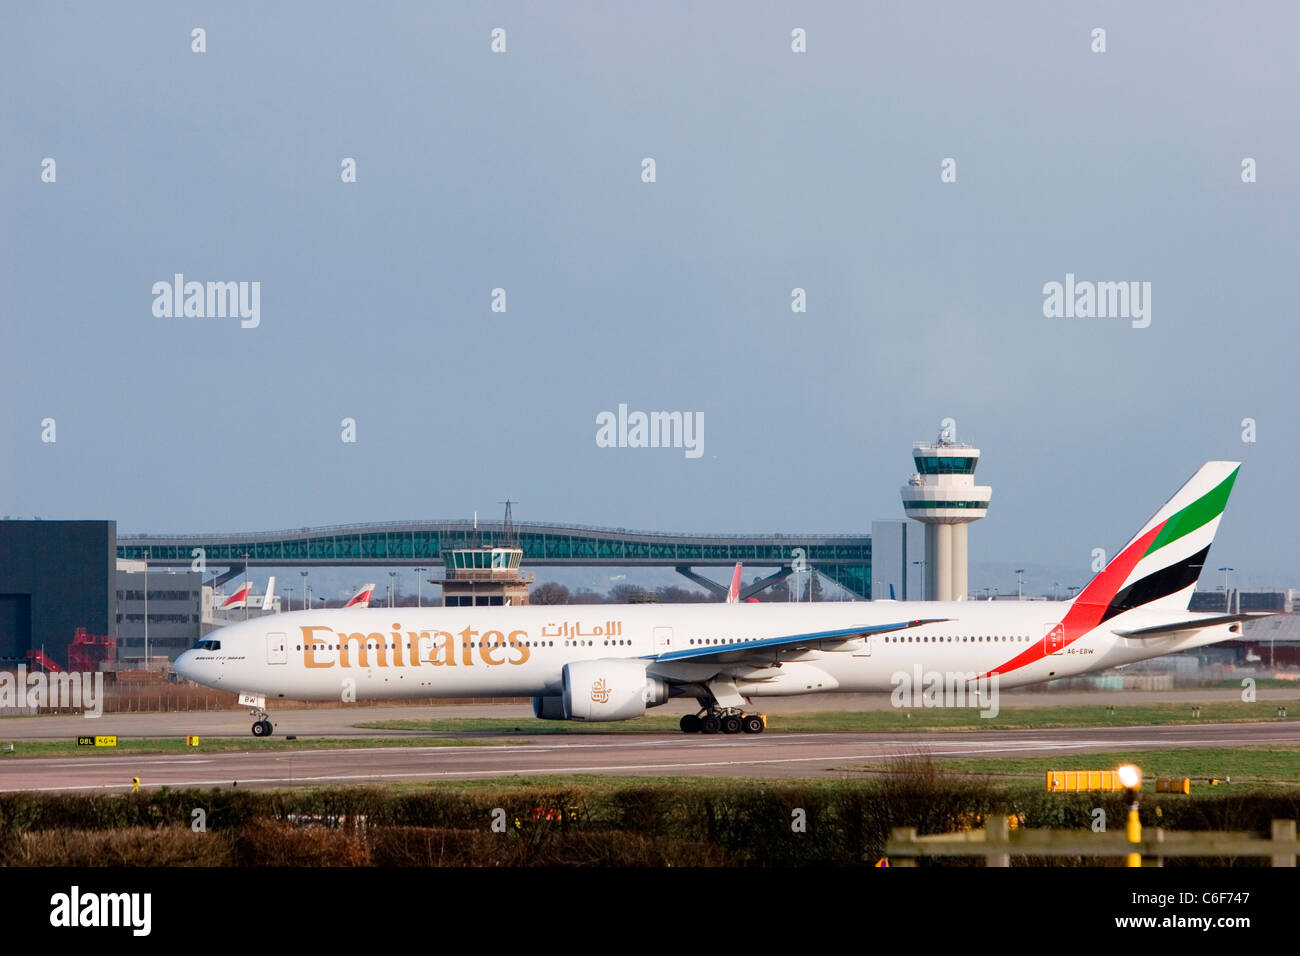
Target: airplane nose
[184, 665]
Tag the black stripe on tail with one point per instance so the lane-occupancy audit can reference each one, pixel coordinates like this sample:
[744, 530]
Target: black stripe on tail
[1158, 584]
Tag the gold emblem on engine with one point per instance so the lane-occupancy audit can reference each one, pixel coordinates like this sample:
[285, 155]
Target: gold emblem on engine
[600, 692]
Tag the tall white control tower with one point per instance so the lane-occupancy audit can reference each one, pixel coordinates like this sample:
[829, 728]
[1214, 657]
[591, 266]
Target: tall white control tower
[943, 496]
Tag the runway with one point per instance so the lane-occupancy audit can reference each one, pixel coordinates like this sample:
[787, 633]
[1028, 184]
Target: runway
[667, 755]
[342, 721]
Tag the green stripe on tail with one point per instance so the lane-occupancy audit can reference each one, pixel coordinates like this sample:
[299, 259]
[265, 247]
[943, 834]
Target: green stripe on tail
[1200, 512]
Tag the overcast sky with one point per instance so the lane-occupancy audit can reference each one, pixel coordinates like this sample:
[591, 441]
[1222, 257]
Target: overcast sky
[774, 170]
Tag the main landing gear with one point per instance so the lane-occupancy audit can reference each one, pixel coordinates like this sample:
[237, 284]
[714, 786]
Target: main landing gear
[715, 720]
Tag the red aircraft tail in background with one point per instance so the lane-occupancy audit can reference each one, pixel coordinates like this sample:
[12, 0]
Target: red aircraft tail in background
[362, 597]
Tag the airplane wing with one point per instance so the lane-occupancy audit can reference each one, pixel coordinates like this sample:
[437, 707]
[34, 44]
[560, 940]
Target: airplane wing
[814, 640]
[1187, 624]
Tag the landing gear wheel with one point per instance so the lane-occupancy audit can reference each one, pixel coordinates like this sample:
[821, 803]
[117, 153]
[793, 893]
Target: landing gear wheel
[691, 724]
[731, 724]
[262, 728]
[753, 724]
[710, 724]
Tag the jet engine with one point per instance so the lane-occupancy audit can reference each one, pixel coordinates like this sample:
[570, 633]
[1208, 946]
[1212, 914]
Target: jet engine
[615, 689]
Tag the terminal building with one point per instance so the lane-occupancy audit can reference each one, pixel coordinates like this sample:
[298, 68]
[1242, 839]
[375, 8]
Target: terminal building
[159, 611]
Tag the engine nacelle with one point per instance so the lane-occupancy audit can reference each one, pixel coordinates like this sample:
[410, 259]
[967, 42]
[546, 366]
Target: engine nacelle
[616, 689]
[549, 708]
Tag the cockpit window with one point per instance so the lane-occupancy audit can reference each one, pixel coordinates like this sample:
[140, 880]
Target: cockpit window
[208, 646]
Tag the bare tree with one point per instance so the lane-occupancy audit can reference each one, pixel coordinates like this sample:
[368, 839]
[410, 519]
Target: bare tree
[550, 593]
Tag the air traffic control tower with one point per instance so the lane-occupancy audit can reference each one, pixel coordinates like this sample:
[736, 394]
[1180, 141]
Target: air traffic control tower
[943, 496]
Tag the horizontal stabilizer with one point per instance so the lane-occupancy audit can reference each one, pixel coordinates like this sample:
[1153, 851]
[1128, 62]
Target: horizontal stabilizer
[1188, 624]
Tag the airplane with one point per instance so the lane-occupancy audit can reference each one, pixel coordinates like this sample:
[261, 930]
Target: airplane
[614, 662]
[362, 597]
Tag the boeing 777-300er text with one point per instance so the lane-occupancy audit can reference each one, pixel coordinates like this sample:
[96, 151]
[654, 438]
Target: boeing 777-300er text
[612, 662]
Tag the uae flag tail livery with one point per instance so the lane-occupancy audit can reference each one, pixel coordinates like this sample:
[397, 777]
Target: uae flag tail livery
[1158, 569]
[1145, 591]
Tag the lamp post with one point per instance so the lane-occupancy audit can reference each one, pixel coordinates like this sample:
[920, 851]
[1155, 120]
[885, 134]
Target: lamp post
[1020, 584]
[392, 587]
[146, 614]
[419, 589]
[1130, 778]
[922, 564]
[247, 593]
[306, 591]
[289, 591]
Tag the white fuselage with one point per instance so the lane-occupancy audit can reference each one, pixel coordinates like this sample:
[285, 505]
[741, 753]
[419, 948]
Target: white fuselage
[387, 653]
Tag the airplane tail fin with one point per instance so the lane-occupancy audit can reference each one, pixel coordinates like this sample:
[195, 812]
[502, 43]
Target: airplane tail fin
[733, 593]
[1159, 567]
[239, 598]
[362, 597]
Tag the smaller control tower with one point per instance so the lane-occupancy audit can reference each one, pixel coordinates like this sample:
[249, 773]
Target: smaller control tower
[943, 496]
[486, 574]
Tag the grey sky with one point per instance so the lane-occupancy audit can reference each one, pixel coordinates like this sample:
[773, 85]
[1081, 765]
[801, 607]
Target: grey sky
[775, 171]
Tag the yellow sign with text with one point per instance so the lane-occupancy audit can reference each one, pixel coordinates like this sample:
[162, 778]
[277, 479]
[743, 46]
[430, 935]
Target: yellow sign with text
[104, 741]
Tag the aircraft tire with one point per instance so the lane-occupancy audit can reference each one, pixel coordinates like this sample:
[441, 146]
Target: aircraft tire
[753, 724]
[731, 724]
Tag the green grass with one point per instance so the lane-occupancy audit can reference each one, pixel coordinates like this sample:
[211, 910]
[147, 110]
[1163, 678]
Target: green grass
[882, 721]
[1261, 683]
[69, 748]
[1270, 764]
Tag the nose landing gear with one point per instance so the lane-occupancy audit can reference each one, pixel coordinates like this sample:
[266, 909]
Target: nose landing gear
[261, 725]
